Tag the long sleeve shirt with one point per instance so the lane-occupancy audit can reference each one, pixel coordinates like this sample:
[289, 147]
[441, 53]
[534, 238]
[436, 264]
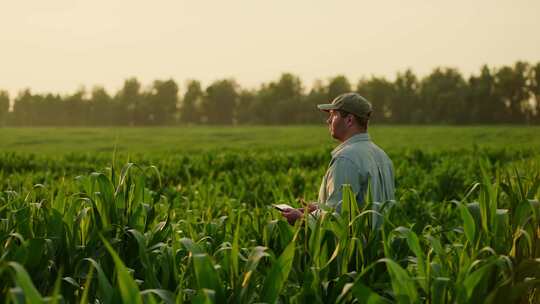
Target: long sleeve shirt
[357, 161]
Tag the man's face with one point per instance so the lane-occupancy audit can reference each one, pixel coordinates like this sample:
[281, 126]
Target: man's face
[336, 124]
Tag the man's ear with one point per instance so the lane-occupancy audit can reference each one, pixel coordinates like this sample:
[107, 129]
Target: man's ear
[350, 120]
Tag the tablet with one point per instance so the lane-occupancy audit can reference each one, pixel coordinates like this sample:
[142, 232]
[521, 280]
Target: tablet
[282, 207]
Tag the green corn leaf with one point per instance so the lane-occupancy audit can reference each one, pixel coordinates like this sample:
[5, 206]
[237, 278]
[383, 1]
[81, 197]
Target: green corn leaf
[402, 284]
[124, 176]
[86, 291]
[235, 250]
[105, 288]
[129, 290]
[56, 296]
[535, 207]
[191, 246]
[105, 204]
[23, 280]
[333, 256]
[439, 287]
[362, 293]
[315, 239]
[278, 274]
[366, 295]
[513, 293]
[137, 198]
[138, 217]
[165, 295]
[516, 241]
[414, 245]
[155, 170]
[207, 276]
[437, 247]
[468, 223]
[205, 296]
[501, 228]
[471, 290]
[72, 282]
[254, 258]
[349, 206]
[145, 260]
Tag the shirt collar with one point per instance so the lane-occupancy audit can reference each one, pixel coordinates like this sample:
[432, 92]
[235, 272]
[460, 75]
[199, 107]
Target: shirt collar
[353, 139]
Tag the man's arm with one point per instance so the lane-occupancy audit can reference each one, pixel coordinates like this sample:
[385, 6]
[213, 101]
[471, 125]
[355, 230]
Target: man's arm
[342, 171]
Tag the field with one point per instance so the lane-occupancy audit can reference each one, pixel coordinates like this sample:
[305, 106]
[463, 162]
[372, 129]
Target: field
[195, 139]
[150, 215]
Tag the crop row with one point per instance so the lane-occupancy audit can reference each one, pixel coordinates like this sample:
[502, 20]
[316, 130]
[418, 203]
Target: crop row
[464, 228]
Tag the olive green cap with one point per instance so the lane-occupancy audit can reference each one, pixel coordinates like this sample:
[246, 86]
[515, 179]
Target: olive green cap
[349, 102]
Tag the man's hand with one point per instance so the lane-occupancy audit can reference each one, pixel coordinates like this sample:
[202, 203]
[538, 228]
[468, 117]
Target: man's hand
[292, 215]
[311, 207]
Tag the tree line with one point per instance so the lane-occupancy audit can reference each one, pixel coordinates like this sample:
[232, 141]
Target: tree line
[508, 94]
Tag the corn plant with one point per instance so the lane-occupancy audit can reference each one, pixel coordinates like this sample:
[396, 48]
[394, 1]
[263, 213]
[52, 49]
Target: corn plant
[201, 230]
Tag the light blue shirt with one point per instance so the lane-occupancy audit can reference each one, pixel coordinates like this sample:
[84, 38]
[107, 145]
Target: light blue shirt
[357, 161]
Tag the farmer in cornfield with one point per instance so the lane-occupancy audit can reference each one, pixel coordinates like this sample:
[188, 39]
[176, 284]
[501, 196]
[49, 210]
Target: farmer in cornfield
[356, 161]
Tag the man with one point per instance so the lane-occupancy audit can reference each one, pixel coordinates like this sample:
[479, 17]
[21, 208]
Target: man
[356, 161]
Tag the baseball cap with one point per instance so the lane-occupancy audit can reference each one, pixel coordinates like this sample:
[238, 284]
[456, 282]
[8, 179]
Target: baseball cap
[349, 102]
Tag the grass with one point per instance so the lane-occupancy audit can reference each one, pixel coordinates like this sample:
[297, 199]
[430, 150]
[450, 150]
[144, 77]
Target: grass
[170, 140]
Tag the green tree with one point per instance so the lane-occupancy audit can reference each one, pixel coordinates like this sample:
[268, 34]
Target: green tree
[219, 102]
[309, 112]
[190, 110]
[101, 107]
[443, 96]
[280, 102]
[164, 100]
[510, 94]
[535, 90]
[337, 86]
[128, 103]
[76, 109]
[50, 110]
[23, 108]
[511, 86]
[380, 92]
[244, 110]
[406, 106]
[4, 107]
[483, 104]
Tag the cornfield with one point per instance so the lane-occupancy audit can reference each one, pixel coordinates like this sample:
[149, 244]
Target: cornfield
[84, 228]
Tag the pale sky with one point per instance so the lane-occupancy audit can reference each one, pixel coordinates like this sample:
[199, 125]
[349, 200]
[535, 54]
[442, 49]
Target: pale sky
[61, 45]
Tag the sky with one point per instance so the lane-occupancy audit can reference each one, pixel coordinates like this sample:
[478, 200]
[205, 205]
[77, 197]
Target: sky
[62, 45]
